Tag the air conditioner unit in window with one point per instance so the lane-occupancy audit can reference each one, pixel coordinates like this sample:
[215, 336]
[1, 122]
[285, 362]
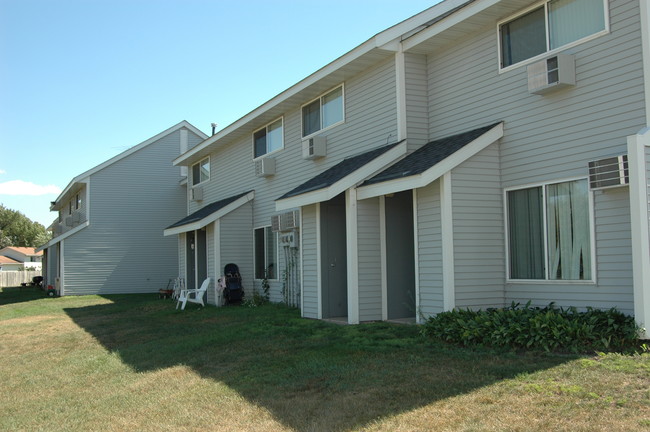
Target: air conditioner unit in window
[196, 193]
[265, 167]
[275, 223]
[289, 220]
[609, 173]
[552, 73]
[314, 147]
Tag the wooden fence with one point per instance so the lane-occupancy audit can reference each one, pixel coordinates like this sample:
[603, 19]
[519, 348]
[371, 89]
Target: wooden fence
[15, 278]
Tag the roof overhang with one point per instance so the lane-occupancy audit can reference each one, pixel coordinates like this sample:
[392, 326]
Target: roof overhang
[434, 172]
[328, 192]
[221, 211]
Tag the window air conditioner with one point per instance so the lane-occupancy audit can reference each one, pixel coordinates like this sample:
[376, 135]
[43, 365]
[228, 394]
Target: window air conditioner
[289, 220]
[315, 147]
[552, 73]
[265, 167]
[196, 193]
[275, 223]
[609, 173]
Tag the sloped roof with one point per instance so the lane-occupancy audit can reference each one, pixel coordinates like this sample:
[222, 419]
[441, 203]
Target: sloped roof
[29, 251]
[7, 260]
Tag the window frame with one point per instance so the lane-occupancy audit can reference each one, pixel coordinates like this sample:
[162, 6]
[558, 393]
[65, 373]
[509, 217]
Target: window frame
[592, 235]
[548, 52]
[209, 171]
[281, 118]
[320, 98]
[77, 204]
[277, 253]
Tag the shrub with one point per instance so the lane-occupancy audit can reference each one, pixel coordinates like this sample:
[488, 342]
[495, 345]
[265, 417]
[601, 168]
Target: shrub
[533, 328]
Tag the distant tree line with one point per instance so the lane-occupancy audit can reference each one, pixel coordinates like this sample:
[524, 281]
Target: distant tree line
[18, 230]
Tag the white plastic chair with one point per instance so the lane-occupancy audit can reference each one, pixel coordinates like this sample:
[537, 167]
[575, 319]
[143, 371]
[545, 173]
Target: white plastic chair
[179, 285]
[193, 295]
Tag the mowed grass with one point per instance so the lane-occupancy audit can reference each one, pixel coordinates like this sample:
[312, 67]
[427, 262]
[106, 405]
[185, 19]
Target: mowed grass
[121, 363]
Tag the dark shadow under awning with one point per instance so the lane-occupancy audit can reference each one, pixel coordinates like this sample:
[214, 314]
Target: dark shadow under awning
[209, 213]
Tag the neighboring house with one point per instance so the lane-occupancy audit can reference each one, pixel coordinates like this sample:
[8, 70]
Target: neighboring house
[444, 163]
[9, 264]
[28, 256]
[108, 236]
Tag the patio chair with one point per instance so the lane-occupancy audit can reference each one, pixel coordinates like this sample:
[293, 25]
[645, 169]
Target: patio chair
[193, 295]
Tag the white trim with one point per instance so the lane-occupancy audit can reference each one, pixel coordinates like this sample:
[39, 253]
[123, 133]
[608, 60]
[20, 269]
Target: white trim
[549, 51]
[61, 270]
[302, 263]
[327, 193]
[640, 221]
[592, 236]
[416, 255]
[383, 257]
[209, 171]
[448, 258]
[193, 226]
[645, 44]
[281, 118]
[352, 240]
[320, 98]
[400, 87]
[319, 263]
[217, 257]
[436, 171]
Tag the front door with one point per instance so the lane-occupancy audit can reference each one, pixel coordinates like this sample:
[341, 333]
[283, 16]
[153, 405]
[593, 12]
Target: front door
[190, 267]
[334, 273]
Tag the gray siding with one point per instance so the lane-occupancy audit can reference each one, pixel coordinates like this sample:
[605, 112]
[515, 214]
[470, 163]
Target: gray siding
[123, 250]
[370, 305]
[237, 243]
[552, 137]
[429, 235]
[309, 248]
[479, 251]
[417, 110]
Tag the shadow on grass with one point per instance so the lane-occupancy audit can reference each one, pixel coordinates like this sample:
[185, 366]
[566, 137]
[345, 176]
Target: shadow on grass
[27, 293]
[309, 374]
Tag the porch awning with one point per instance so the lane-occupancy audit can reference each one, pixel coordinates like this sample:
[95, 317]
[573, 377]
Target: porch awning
[430, 162]
[209, 214]
[341, 176]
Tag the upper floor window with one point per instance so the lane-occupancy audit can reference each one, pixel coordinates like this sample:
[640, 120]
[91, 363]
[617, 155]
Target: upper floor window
[78, 202]
[549, 26]
[201, 171]
[322, 113]
[70, 207]
[268, 139]
[549, 232]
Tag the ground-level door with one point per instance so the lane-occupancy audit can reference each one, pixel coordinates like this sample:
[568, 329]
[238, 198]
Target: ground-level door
[400, 256]
[334, 285]
[196, 258]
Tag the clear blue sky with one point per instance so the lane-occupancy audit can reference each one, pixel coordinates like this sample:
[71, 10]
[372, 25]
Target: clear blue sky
[83, 80]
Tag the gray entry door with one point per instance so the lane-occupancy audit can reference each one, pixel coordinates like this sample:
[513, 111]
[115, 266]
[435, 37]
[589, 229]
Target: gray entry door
[334, 258]
[190, 245]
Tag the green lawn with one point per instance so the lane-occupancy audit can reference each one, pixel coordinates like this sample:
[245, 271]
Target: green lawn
[132, 363]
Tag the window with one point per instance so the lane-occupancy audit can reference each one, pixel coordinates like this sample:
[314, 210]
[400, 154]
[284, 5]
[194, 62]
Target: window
[322, 113]
[268, 139]
[70, 207]
[552, 25]
[78, 202]
[201, 171]
[549, 234]
[266, 253]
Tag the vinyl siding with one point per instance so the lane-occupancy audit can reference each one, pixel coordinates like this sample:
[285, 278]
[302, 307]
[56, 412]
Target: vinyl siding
[309, 248]
[479, 251]
[213, 272]
[370, 305]
[429, 249]
[237, 243]
[417, 111]
[370, 122]
[552, 137]
[123, 250]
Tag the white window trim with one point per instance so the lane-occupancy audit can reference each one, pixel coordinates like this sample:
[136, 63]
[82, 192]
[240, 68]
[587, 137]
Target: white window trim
[342, 86]
[277, 253]
[264, 127]
[592, 236]
[548, 52]
[209, 172]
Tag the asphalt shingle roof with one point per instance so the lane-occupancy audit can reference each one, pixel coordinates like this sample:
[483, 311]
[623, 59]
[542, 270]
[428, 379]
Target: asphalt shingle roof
[206, 211]
[337, 172]
[428, 155]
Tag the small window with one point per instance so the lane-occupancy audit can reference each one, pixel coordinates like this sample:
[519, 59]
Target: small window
[322, 113]
[549, 232]
[552, 25]
[268, 139]
[70, 207]
[78, 202]
[201, 172]
[266, 253]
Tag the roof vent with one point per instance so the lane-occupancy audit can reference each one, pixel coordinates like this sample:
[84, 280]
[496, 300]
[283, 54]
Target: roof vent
[609, 173]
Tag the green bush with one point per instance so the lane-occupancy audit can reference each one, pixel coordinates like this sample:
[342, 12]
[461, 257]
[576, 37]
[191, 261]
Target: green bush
[533, 328]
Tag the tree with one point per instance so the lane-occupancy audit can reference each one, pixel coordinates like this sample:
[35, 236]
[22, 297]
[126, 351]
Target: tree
[16, 229]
